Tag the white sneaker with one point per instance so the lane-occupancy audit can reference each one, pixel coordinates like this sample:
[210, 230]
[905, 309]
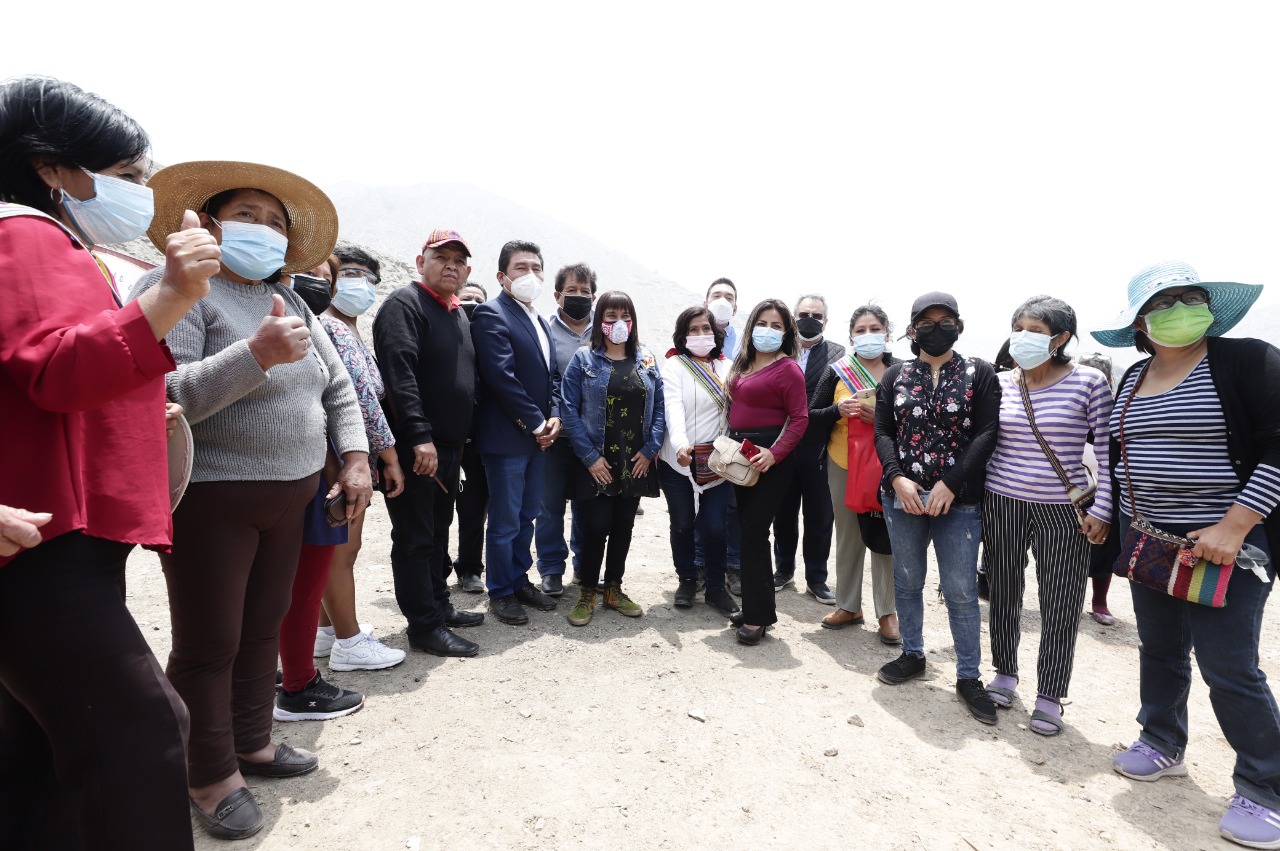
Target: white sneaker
[325, 640]
[368, 654]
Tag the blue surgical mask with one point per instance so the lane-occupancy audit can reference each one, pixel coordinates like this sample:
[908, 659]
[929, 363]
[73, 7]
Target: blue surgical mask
[252, 251]
[868, 346]
[355, 296]
[118, 212]
[766, 339]
[1029, 349]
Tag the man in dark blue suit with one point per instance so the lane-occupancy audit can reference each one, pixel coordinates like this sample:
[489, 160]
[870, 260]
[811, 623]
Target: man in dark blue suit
[517, 420]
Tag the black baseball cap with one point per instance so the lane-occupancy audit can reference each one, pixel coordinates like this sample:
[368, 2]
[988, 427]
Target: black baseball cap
[934, 299]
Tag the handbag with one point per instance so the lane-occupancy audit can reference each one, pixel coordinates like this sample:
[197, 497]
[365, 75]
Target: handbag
[727, 460]
[1160, 560]
[1081, 498]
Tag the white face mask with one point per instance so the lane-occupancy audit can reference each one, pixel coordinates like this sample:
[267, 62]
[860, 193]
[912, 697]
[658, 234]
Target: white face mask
[721, 310]
[526, 288]
[700, 345]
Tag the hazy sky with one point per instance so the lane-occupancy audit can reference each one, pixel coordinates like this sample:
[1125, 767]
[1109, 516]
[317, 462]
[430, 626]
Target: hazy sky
[866, 150]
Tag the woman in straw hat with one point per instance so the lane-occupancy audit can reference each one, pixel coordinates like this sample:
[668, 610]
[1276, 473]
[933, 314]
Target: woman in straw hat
[91, 732]
[261, 392]
[1195, 452]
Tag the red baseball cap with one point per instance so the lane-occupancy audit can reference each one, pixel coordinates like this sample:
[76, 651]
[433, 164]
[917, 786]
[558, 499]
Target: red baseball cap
[441, 237]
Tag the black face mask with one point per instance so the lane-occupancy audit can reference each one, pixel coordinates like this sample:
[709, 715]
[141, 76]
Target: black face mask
[809, 327]
[938, 341]
[469, 307]
[576, 307]
[314, 291]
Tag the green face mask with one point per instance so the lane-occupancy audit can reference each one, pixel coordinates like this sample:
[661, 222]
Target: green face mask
[1178, 326]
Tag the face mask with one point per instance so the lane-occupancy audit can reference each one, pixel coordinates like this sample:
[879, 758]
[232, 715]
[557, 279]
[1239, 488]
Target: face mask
[469, 307]
[938, 341]
[1179, 326]
[810, 329]
[526, 288]
[700, 345]
[766, 339]
[314, 291]
[1028, 348]
[868, 346]
[721, 310]
[576, 307]
[118, 212]
[355, 296]
[252, 251]
[617, 332]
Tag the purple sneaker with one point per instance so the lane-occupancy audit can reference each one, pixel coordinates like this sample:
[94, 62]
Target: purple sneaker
[1249, 824]
[1143, 762]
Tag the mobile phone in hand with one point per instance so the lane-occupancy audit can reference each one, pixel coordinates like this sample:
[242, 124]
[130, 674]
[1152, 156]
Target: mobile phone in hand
[335, 508]
[750, 450]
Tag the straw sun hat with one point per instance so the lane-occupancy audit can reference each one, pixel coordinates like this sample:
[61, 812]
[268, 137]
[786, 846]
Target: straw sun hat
[1228, 302]
[313, 221]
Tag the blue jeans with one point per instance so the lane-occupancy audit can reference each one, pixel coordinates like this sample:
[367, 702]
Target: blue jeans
[708, 523]
[1226, 644]
[515, 495]
[732, 539]
[956, 536]
[548, 534]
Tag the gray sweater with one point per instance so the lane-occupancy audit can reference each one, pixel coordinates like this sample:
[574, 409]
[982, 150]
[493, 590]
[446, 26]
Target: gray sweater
[251, 425]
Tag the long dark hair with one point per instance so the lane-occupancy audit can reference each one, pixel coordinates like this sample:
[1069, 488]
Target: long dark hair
[615, 300]
[685, 319]
[42, 118]
[790, 337]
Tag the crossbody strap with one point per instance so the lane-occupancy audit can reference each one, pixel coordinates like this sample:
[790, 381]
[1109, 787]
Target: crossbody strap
[1020, 380]
[1144, 524]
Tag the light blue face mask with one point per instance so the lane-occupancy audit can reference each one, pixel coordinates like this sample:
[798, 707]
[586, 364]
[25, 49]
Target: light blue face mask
[766, 339]
[868, 346]
[1029, 349]
[252, 251]
[355, 296]
[118, 212]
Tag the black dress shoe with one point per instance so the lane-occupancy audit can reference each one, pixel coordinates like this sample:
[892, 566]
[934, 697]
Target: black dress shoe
[748, 635]
[553, 585]
[508, 610]
[236, 816]
[287, 763]
[531, 596]
[736, 619]
[442, 642]
[454, 618]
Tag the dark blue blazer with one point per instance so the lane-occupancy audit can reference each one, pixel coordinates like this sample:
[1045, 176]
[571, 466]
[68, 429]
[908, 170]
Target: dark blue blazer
[516, 391]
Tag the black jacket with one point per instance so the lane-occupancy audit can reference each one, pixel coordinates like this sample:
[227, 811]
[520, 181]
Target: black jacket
[817, 367]
[824, 413]
[1246, 374]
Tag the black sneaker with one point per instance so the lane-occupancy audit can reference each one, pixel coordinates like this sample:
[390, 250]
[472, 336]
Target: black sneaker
[782, 580]
[317, 702]
[733, 581]
[822, 593]
[684, 593]
[905, 667]
[976, 699]
[722, 602]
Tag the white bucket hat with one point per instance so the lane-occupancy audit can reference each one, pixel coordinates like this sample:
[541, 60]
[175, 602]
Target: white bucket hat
[1228, 302]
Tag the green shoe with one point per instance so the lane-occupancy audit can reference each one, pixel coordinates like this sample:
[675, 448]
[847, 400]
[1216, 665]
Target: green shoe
[615, 599]
[580, 614]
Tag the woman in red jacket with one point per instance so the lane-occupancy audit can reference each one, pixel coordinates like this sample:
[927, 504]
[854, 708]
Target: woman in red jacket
[92, 736]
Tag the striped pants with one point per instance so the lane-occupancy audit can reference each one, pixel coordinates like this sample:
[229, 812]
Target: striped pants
[1009, 528]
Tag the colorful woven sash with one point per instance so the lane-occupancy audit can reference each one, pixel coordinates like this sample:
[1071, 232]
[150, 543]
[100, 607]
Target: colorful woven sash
[853, 374]
[706, 379]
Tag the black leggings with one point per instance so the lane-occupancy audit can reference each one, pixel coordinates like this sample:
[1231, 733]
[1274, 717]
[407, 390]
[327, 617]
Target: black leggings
[604, 518]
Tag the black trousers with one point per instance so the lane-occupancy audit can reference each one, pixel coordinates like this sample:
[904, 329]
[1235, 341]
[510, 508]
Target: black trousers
[757, 507]
[604, 519]
[420, 520]
[472, 503]
[809, 487]
[92, 735]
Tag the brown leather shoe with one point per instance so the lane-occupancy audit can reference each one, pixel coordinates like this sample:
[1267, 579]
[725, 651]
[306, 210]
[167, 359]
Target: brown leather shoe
[839, 619]
[889, 633]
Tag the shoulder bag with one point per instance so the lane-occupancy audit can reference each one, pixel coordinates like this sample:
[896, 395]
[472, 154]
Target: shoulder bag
[727, 460]
[1081, 498]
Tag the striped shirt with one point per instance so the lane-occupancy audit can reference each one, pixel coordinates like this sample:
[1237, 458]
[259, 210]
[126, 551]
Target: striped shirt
[1066, 412]
[1177, 444]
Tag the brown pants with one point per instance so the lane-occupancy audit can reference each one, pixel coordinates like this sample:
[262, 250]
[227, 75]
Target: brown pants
[230, 578]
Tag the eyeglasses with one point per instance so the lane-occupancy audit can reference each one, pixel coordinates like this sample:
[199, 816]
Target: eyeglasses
[924, 326]
[352, 272]
[1191, 298]
[818, 316]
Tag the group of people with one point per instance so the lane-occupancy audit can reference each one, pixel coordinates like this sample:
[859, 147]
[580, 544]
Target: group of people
[248, 336]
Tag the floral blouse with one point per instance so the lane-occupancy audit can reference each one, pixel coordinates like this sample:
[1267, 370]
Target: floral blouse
[938, 434]
[363, 369]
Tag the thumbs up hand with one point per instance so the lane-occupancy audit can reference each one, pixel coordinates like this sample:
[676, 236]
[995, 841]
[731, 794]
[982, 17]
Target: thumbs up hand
[191, 258]
[280, 338]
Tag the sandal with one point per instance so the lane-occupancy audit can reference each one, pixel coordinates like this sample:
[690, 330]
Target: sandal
[1052, 723]
[1002, 696]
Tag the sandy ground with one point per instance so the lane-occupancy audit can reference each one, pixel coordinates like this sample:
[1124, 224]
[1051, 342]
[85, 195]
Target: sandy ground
[662, 732]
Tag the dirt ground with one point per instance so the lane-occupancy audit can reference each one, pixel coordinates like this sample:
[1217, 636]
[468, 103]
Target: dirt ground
[662, 732]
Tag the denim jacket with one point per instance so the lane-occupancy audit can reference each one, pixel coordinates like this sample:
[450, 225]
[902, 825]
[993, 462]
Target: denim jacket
[583, 388]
